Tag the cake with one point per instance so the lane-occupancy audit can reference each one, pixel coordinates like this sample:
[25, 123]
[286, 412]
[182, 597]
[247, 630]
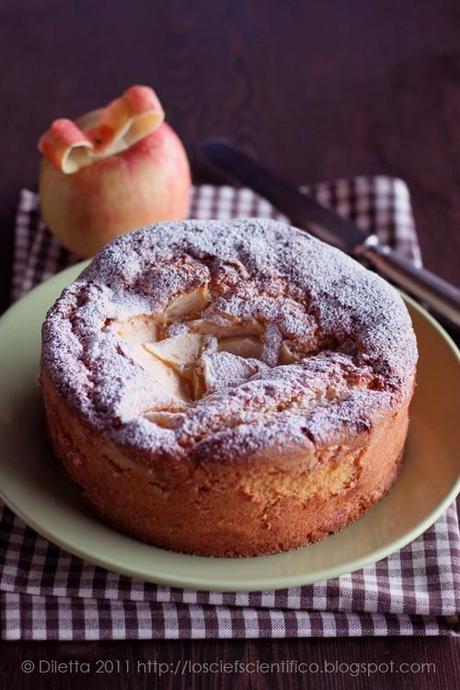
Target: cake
[228, 388]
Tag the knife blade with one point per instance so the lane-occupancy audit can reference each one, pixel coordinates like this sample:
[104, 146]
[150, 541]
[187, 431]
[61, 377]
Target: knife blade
[306, 213]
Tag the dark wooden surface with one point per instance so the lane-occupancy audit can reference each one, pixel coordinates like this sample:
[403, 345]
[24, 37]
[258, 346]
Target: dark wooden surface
[314, 90]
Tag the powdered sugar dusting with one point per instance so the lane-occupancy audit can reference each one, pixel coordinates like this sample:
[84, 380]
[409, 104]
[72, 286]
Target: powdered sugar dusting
[223, 369]
[356, 350]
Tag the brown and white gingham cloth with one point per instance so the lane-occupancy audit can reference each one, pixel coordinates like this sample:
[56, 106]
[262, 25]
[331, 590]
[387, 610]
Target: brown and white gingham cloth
[46, 593]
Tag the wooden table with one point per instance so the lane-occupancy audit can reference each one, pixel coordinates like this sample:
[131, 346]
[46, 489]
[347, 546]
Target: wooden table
[314, 90]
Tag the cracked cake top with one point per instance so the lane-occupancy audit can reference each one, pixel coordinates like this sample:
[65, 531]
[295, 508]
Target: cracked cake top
[213, 339]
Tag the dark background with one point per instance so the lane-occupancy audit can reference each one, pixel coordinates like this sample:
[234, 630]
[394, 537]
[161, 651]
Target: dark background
[314, 90]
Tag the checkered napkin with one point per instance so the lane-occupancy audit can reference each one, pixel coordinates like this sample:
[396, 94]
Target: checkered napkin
[46, 593]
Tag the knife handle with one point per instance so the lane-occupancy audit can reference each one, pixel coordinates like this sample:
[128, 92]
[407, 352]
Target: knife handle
[436, 292]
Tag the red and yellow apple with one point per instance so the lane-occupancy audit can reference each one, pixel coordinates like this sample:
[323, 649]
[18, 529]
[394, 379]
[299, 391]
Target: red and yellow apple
[112, 171]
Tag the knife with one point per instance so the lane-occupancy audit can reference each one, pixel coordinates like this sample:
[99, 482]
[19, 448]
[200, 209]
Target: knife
[327, 225]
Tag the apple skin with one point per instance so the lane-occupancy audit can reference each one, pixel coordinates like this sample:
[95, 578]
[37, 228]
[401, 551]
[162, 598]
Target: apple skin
[148, 182]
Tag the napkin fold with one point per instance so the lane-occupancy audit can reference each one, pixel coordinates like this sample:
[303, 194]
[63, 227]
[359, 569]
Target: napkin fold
[48, 594]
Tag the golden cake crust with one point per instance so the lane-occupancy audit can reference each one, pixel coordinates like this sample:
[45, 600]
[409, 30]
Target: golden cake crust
[213, 509]
[228, 389]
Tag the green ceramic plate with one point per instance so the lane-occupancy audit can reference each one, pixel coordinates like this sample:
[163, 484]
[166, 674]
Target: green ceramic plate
[36, 488]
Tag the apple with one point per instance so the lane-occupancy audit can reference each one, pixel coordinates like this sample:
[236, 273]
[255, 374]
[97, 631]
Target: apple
[113, 170]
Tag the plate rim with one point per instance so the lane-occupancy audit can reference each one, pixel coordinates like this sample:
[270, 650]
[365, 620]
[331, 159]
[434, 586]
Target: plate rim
[200, 582]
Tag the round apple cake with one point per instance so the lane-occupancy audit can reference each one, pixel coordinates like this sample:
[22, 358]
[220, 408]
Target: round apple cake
[228, 388]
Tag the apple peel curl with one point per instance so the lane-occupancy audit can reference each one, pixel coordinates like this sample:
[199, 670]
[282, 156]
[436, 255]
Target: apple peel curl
[120, 125]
